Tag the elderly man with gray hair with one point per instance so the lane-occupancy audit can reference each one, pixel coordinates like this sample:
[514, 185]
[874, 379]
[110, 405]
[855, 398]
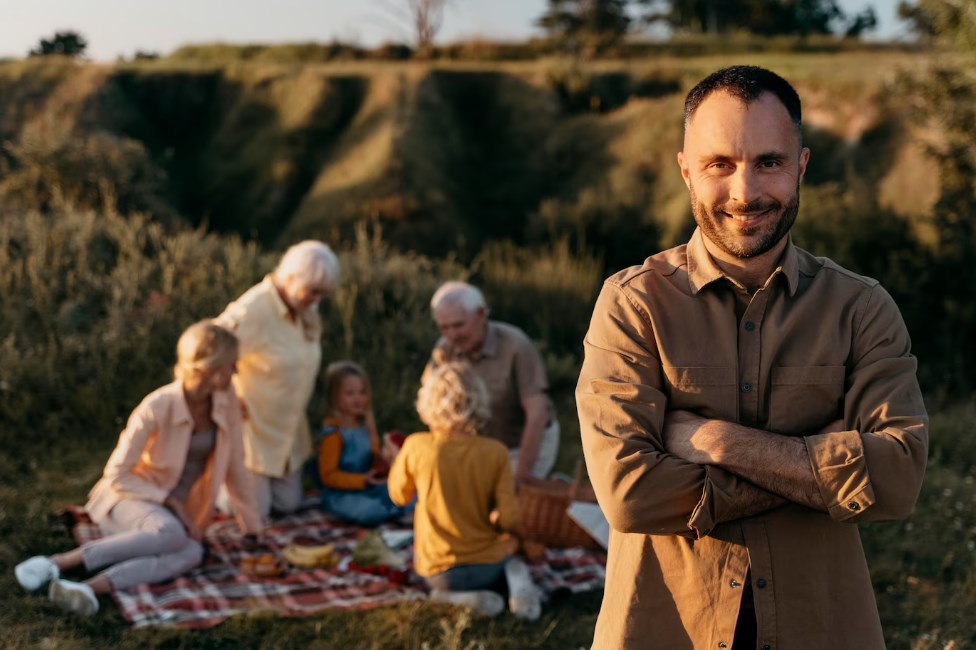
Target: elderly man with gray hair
[522, 416]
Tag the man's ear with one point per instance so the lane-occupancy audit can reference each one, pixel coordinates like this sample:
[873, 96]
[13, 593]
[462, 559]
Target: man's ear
[685, 171]
[804, 159]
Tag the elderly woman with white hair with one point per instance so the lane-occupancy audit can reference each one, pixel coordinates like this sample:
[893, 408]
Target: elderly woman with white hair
[278, 324]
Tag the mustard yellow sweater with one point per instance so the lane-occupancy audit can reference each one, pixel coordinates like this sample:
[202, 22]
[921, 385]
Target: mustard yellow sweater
[458, 481]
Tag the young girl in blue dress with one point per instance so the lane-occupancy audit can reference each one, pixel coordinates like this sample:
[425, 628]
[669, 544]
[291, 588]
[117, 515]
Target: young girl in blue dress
[352, 465]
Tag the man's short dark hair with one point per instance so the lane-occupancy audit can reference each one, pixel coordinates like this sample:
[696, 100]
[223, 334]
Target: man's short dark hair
[747, 83]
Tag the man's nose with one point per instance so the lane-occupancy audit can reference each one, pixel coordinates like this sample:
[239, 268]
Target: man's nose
[744, 186]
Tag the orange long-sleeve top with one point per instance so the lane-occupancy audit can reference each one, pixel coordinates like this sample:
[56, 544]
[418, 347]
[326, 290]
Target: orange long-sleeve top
[330, 451]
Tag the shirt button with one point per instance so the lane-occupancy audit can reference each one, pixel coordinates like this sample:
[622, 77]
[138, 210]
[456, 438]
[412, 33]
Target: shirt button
[723, 644]
[750, 326]
[854, 505]
[734, 584]
[746, 388]
[761, 583]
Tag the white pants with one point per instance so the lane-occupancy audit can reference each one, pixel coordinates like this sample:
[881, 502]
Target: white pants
[144, 543]
[548, 450]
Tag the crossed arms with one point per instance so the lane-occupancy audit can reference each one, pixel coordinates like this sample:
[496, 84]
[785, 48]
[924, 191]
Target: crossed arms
[667, 472]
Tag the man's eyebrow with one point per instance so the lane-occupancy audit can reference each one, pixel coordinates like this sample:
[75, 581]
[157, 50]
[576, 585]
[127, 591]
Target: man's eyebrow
[772, 155]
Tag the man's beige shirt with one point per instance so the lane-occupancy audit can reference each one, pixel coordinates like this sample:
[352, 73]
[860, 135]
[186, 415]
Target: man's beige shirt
[816, 344]
[512, 370]
[275, 378]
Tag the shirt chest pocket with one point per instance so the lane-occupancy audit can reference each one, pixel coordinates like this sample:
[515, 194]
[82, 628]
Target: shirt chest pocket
[708, 391]
[804, 399]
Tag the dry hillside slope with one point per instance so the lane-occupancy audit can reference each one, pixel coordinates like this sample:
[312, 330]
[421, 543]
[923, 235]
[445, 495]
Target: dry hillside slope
[444, 156]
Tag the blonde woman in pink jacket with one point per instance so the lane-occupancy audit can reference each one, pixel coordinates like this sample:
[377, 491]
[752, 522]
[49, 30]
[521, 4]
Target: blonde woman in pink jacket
[157, 493]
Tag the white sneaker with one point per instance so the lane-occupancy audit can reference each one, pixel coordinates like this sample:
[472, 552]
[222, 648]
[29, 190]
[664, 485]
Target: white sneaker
[75, 597]
[36, 572]
[523, 599]
[487, 603]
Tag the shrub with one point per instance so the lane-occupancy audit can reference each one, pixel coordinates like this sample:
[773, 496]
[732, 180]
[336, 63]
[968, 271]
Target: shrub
[98, 171]
[94, 306]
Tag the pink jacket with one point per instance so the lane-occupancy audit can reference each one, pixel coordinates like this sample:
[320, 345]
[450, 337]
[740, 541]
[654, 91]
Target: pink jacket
[148, 460]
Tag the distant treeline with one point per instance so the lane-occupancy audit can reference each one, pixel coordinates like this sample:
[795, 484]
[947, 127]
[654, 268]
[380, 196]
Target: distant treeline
[475, 49]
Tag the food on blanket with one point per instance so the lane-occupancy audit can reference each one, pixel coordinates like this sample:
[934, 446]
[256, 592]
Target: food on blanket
[395, 576]
[307, 556]
[265, 565]
[372, 551]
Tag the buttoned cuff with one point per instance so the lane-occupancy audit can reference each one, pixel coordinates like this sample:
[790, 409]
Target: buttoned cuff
[841, 472]
[703, 517]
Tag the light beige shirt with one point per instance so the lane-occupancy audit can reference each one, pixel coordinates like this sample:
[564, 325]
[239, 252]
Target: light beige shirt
[816, 344]
[151, 453]
[276, 374]
[512, 370]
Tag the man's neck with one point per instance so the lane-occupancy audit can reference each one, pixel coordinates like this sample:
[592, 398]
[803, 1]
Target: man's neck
[751, 272]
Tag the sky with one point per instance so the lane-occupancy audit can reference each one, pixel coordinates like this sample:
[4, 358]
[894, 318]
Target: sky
[117, 28]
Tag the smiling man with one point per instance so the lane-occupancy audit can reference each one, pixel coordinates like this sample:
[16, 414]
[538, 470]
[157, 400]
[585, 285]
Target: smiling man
[743, 404]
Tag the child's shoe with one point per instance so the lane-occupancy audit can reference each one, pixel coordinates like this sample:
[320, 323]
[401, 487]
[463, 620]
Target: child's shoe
[485, 602]
[523, 599]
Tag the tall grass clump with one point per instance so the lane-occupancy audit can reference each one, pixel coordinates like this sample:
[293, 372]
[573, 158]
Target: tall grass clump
[93, 306]
[924, 568]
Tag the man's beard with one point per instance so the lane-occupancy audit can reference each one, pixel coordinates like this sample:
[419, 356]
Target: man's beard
[769, 232]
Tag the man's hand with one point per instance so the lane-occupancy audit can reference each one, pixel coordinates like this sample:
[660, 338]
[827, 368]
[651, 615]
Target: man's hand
[692, 437]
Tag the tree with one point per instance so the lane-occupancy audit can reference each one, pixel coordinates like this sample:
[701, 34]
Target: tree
[768, 17]
[865, 21]
[593, 23]
[63, 43]
[951, 21]
[424, 17]
[945, 97]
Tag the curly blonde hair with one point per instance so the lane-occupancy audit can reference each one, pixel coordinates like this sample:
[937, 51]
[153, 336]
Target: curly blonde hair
[453, 399]
[203, 346]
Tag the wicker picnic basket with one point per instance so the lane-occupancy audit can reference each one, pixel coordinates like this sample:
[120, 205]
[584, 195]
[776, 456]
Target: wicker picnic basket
[543, 504]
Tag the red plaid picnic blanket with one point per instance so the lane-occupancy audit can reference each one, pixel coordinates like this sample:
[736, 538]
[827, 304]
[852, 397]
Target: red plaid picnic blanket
[218, 590]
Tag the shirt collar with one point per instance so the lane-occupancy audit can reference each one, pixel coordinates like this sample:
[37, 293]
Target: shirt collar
[489, 347]
[279, 305]
[181, 410]
[702, 269]
[219, 406]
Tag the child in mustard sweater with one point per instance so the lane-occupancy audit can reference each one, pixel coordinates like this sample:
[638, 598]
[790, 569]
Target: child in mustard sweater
[351, 462]
[465, 494]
